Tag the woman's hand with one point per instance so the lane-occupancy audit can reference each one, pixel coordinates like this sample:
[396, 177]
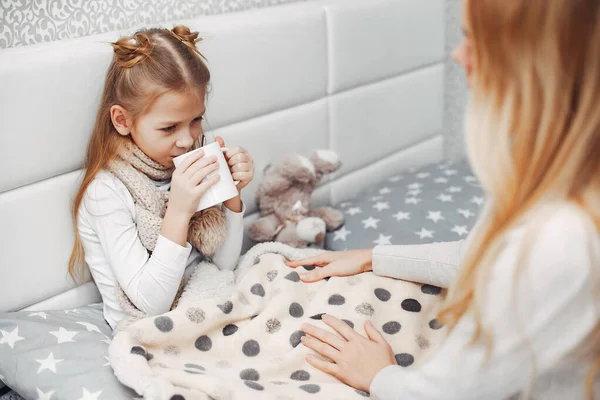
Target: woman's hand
[335, 263]
[355, 359]
[241, 164]
[188, 183]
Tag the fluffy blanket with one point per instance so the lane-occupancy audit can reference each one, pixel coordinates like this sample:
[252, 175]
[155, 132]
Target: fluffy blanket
[237, 335]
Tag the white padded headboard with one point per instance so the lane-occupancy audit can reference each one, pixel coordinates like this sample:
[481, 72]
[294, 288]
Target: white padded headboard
[361, 77]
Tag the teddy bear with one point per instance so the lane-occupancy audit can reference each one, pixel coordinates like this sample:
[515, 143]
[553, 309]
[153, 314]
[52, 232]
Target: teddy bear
[283, 198]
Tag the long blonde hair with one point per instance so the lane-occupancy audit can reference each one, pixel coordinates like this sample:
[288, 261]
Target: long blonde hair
[533, 128]
[144, 66]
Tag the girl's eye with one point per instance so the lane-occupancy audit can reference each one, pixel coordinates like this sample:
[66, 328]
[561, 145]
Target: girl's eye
[198, 119]
[168, 128]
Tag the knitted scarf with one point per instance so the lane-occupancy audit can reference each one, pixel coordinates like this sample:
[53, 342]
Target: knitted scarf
[207, 229]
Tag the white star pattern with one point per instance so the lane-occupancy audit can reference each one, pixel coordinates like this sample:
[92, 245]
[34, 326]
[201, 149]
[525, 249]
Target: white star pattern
[412, 200]
[345, 204]
[477, 200]
[423, 175]
[64, 335]
[90, 396]
[460, 230]
[466, 213]
[370, 222]
[74, 310]
[376, 198]
[402, 215]
[341, 234]
[435, 216]
[383, 240]
[414, 192]
[444, 198]
[415, 185]
[382, 205]
[450, 172]
[44, 396]
[470, 179]
[354, 211]
[11, 338]
[106, 340]
[89, 327]
[454, 189]
[48, 363]
[385, 190]
[395, 178]
[423, 233]
[441, 180]
[40, 314]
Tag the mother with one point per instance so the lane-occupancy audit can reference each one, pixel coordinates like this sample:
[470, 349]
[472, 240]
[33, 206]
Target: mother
[522, 307]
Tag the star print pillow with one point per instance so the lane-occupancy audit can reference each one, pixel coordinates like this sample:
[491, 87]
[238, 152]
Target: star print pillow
[435, 203]
[56, 355]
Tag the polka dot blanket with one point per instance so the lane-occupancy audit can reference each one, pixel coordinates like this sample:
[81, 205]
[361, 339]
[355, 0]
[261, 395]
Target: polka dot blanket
[244, 341]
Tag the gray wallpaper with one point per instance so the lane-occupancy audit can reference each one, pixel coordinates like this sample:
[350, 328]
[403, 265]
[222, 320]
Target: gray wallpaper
[455, 89]
[25, 22]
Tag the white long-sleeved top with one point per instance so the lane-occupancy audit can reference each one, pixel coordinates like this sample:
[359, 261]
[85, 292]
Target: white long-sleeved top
[115, 254]
[544, 318]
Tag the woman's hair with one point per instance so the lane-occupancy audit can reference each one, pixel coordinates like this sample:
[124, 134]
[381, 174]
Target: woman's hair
[533, 126]
[144, 66]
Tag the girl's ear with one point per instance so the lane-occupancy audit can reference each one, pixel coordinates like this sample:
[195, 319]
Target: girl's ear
[120, 120]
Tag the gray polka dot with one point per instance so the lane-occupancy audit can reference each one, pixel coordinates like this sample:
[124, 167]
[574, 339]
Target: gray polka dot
[365, 309]
[300, 375]
[149, 356]
[203, 343]
[430, 289]
[258, 290]
[435, 324]
[194, 372]
[293, 276]
[195, 366]
[273, 325]
[311, 388]
[317, 316]
[411, 305]
[350, 323]
[391, 328]
[404, 359]
[296, 310]
[230, 329]
[422, 341]
[271, 275]
[254, 385]
[250, 374]
[138, 350]
[251, 348]
[336, 300]
[171, 350]
[256, 261]
[308, 267]
[177, 397]
[362, 393]
[382, 294]
[295, 338]
[195, 314]
[226, 307]
[163, 323]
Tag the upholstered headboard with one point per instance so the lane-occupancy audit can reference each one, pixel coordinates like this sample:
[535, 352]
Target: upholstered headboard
[363, 78]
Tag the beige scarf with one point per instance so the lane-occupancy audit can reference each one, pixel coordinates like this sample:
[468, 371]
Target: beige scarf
[207, 228]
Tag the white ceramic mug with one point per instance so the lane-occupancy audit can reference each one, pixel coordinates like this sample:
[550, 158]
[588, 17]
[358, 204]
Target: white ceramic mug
[225, 188]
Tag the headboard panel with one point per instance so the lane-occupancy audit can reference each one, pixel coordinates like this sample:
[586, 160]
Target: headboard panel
[361, 77]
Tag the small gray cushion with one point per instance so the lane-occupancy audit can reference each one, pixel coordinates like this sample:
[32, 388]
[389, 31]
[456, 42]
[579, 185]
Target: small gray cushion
[58, 355]
[435, 203]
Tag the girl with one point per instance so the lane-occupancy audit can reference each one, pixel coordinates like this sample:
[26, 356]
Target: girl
[522, 308]
[139, 250]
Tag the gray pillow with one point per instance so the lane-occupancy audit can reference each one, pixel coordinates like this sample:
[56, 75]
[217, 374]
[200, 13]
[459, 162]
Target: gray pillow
[58, 355]
[434, 203]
